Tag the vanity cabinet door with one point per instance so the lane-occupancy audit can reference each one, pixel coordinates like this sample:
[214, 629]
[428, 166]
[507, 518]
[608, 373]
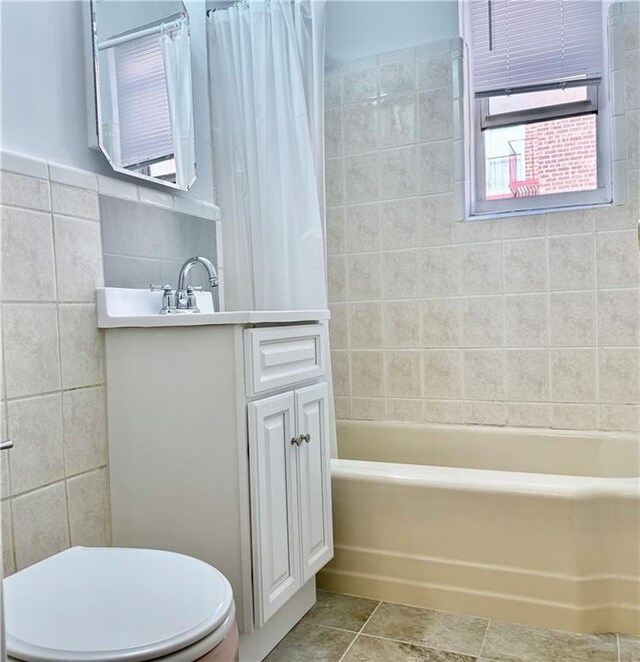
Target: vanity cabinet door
[316, 533]
[274, 501]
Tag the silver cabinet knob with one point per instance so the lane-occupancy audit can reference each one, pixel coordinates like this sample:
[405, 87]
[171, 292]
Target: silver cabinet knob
[6, 445]
[295, 441]
[305, 437]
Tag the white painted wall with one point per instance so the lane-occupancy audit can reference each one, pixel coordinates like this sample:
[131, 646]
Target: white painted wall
[117, 16]
[362, 28]
[43, 107]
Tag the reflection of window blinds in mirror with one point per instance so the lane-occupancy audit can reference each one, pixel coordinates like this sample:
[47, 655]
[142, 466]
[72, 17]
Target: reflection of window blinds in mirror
[143, 108]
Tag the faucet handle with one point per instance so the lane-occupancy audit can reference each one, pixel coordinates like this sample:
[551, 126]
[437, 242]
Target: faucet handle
[168, 302]
[192, 303]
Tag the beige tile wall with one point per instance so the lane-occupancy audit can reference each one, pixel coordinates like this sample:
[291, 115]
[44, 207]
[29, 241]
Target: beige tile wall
[54, 487]
[526, 321]
[54, 484]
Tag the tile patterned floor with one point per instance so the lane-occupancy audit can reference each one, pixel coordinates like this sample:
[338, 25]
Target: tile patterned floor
[344, 628]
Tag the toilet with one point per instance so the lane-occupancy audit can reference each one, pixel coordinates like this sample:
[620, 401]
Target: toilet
[116, 605]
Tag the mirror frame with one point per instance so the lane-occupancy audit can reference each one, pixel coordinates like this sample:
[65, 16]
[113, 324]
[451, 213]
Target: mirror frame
[94, 124]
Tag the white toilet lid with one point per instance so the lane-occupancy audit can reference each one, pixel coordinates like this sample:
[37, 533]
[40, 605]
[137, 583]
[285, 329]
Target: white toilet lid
[112, 604]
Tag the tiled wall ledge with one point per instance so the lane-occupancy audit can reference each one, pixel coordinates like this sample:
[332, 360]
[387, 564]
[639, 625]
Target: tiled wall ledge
[68, 182]
[118, 188]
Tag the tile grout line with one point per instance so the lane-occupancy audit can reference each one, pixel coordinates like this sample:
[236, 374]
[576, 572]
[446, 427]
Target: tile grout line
[409, 642]
[548, 298]
[503, 345]
[54, 242]
[596, 329]
[337, 629]
[43, 394]
[58, 481]
[5, 430]
[433, 297]
[350, 646]
[484, 640]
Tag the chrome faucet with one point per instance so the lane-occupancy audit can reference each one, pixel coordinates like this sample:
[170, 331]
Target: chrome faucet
[183, 282]
[186, 294]
[183, 300]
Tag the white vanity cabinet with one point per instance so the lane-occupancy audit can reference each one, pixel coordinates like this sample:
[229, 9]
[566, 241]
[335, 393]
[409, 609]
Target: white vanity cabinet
[290, 493]
[219, 438]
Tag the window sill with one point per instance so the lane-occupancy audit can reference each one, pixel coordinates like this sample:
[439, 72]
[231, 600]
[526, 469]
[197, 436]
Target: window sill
[492, 216]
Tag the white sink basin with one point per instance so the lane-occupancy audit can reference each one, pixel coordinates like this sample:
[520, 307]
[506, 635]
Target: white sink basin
[127, 307]
[126, 302]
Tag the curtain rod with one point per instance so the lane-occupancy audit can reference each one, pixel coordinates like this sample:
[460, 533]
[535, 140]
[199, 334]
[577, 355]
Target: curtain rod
[156, 29]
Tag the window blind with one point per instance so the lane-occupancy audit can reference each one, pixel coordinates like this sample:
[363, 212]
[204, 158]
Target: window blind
[527, 45]
[143, 107]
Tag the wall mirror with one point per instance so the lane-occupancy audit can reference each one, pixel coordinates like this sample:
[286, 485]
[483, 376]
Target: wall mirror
[143, 93]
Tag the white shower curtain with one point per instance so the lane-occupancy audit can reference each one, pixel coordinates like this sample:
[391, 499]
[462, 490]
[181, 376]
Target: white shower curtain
[176, 57]
[266, 63]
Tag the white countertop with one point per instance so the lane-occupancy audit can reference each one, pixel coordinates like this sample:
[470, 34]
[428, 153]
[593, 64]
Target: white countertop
[123, 307]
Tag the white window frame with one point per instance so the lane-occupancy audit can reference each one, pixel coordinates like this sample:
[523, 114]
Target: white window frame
[476, 119]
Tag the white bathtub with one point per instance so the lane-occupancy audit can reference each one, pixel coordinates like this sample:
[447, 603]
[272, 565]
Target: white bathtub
[533, 526]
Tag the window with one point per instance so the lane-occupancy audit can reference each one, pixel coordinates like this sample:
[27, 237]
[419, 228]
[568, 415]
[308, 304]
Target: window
[538, 104]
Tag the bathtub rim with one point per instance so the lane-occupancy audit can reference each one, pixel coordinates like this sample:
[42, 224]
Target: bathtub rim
[495, 476]
[483, 480]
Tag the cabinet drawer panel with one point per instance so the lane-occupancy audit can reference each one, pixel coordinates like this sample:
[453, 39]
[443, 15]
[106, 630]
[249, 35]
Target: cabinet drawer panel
[283, 356]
